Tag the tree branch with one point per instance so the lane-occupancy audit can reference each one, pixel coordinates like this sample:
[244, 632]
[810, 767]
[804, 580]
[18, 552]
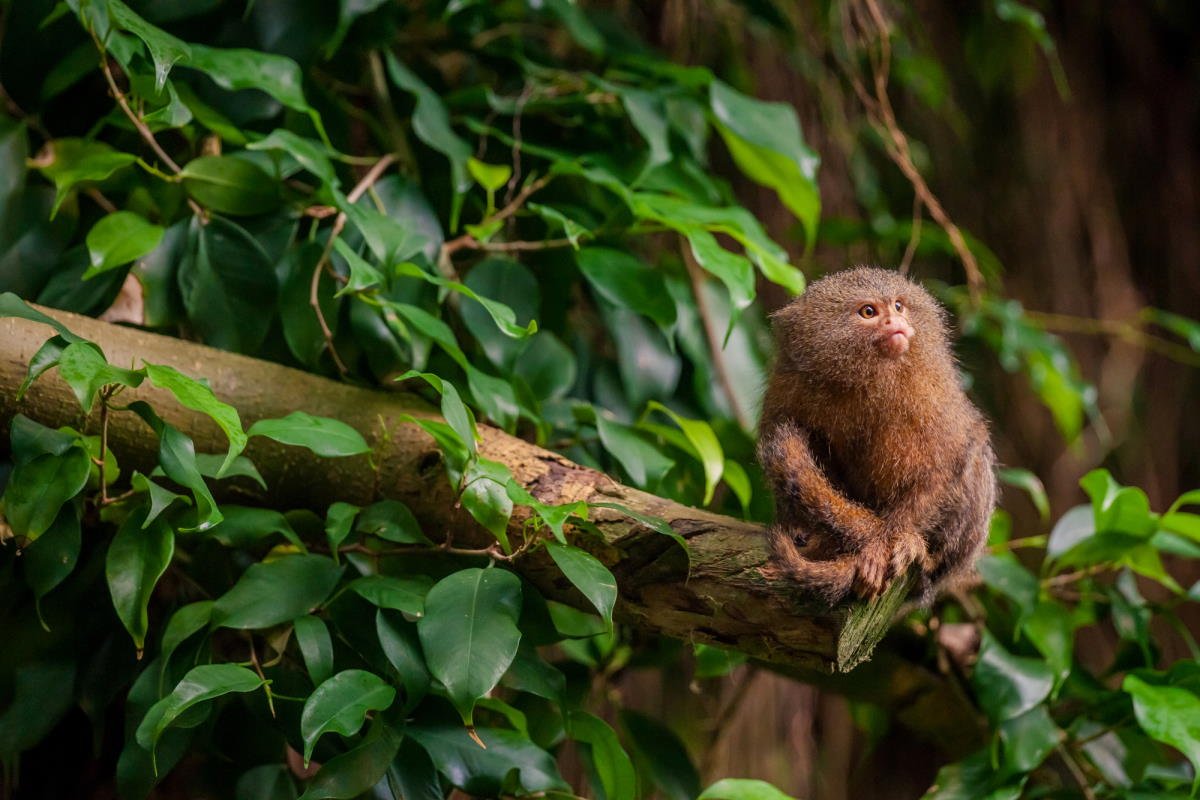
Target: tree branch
[715, 594]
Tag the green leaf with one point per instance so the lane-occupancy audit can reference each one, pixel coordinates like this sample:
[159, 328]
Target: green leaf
[716, 662]
[574, 231]
[52, 557]
[530, 673]
[626, 281]
[70, 162]
[185, 622]
[136, 559]
[362, 275]
[196, 395]
[202, 684]
[312, 637]
[705, 446]
[663, 754]
[742, 789]
[402, 648]
[457, 415]
[274, 592]
[266, 782]
[1009, 685]
[86, 371]
[160, 498]
[431, 124]
[731, 269]
[618, 781]
[392, 521]
[313, 156]
[656, 524]
[469, 632]
[13, 306]
[230, 185]
[37, 489]
[588, 575]
[164, 48]
[1118, 509]
[357, 770]
[119, 238]
[767, 145]
[1028, 739]
[490, 176]
[503, 316]
[341, 705]
[644, 462]
[648, 115]
[547, 366]
[385, 591]
[339, 520]
[228, 285]
[237, 68]
[1170, 715]
[485, 496]
[244, 527]
[177, 457]
[326, 437]
[487, 771]
[1003, 573]
[1026, 480]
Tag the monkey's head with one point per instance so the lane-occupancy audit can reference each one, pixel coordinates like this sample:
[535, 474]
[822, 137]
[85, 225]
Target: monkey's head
[859, 325]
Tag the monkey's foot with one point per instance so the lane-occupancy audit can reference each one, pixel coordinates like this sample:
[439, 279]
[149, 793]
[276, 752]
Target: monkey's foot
[872, 571]
[908, 548]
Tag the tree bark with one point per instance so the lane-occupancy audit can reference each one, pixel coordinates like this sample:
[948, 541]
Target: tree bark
[717, 593]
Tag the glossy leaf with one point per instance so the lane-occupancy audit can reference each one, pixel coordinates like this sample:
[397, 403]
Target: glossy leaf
[1169, 714]
[469, 632]
[704, 446]
[618, 780]
[357, 770]
[1009, 685]
[202, 684]
[765, 141]
[119, 238]
[37, 489]
[274, 592]
[86, 371]
[52, 557]
[742, 789]
[484, 771]
[588, 575]
[402, 594]
[341, 704]
[230, 185]
[402, 648]
[312, 637]
[196, 395]
[136, 559]
[625, 280]
[391, 521]
[70, 162]
[326, 437]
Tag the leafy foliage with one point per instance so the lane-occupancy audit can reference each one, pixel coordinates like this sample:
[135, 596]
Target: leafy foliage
[520, 207]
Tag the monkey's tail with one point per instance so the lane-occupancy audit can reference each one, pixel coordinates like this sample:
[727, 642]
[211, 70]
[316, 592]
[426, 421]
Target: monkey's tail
[832, 579]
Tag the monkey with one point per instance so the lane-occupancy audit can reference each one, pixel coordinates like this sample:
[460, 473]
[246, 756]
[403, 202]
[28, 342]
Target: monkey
[877, 458]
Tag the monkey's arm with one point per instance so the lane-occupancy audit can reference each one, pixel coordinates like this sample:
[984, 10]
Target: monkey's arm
[794, 471]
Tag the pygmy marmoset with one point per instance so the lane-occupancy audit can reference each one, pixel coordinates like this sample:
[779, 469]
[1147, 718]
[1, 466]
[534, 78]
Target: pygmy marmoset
[877, 458]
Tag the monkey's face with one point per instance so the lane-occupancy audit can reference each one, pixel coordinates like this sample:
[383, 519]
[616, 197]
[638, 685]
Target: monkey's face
[884, 321]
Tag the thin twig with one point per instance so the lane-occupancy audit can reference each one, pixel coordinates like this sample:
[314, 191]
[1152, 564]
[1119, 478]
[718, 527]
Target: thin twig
[883, 118]
[506, 247]
[104, 395]
[469, 242]
[1076, 772]
[515, 180]
[1126, 330]
[914, 236]
[142, 128]
[373, 174]
[715, 348]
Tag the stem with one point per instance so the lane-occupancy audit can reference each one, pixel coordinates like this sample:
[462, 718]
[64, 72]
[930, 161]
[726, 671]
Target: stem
[373, 174]
[468, 242]
[715, 348]
[1125, 330]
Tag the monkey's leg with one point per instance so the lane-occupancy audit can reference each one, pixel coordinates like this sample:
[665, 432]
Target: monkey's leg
[798, 476]
[830, 578]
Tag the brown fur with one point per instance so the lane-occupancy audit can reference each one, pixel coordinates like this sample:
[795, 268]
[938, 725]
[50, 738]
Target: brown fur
[877, 462]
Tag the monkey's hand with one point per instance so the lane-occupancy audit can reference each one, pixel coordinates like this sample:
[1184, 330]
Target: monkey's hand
[874, 564]
[909, 548]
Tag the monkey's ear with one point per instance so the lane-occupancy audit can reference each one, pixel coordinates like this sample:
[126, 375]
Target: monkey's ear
[791, 309]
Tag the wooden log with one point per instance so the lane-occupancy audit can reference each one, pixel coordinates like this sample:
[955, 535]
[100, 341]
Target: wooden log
[715, 594]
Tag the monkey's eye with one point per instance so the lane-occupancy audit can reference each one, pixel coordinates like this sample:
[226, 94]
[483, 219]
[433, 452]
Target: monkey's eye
[899, 306]
[867, 311]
